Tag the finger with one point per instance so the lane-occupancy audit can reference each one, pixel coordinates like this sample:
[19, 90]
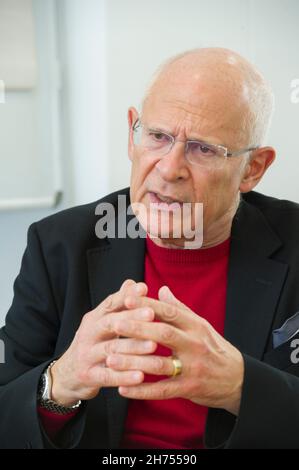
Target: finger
[127, 283]
[138, 288]
[122, 346]
[106, 326]
[162, 390]
[165, 295]
[105, 377]
[161, 333]
[115, 302]
[181, 317]
[156, 365]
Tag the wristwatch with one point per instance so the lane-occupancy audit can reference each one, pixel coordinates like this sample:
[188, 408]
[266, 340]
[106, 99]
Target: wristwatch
[44, 395]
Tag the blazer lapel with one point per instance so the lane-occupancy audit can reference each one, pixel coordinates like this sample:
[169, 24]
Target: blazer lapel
[109, 265]
[255, 281]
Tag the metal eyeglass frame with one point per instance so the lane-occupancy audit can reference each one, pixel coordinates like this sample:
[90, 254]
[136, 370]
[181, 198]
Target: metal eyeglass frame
[138, 124]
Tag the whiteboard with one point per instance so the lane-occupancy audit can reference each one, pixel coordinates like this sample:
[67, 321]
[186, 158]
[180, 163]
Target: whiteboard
[18, 65]
[30, 174]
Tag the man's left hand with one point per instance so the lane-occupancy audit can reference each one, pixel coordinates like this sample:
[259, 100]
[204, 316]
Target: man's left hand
[212, 368]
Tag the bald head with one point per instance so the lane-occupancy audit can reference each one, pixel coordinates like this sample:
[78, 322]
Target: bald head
[231, 86]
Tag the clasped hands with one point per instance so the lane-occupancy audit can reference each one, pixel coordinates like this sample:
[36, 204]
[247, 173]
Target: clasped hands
[115, 346]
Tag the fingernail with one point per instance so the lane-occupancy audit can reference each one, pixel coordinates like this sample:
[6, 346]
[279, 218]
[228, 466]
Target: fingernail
[148, 345]
[169, 293]
[138, 289]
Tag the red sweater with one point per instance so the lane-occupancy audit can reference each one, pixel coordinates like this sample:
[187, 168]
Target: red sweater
[198, 278]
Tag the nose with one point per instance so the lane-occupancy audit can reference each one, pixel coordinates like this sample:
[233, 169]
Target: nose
[173, 166]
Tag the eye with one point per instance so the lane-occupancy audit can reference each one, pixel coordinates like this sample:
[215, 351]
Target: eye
[202, 149]
[205, 149]
[157, 140]
[158, 136]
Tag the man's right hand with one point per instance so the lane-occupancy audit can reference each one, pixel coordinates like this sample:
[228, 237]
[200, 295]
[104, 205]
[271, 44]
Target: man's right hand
[81, 371]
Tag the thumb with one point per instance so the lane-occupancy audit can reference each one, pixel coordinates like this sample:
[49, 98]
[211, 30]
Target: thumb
[165, 295]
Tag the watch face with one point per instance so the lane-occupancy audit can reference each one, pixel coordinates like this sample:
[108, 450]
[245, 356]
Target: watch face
[44, 399]
[43, 392]
[41, 386]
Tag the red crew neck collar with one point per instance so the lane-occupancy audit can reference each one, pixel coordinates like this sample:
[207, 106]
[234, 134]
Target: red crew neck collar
[181, 255]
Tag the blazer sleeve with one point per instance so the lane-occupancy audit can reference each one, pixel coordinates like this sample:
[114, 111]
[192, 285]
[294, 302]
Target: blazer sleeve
[269, 412]
[29, 338]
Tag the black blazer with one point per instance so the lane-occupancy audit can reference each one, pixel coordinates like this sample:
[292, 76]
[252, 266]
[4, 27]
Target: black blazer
[66, 271]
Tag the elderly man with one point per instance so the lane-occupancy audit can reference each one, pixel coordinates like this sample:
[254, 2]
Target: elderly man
[152, 342]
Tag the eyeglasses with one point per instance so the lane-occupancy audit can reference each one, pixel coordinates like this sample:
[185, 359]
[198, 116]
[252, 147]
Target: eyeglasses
[155, 142]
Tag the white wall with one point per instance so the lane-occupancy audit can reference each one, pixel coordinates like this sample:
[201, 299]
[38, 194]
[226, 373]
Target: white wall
[141, 34]
[83, 55]
[109, 49]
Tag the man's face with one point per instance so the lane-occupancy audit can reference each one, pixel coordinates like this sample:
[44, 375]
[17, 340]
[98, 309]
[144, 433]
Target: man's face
[186, 111]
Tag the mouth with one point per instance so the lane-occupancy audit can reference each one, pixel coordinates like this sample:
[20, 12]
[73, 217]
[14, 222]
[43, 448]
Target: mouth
[164, 202]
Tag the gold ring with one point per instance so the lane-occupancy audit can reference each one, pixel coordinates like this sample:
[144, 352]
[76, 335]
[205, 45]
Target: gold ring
[177, 366]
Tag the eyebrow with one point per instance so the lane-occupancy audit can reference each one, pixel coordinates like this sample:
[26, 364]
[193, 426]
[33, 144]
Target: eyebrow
[158, 129]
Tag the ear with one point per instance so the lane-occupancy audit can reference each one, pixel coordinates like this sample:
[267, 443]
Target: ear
[132, 118]
[256, 167]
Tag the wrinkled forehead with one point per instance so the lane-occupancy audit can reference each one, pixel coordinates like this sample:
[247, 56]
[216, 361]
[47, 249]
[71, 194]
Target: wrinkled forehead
[198, 103]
